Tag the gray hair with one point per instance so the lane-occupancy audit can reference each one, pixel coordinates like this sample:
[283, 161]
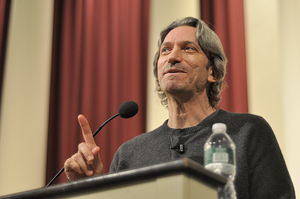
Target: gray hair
[210, 45]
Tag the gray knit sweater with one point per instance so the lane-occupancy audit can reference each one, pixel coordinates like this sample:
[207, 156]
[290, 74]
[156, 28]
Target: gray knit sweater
[261, 169]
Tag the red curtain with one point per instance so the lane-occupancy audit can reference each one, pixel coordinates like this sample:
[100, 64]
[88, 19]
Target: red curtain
[99, 61]
[4, 19]
[226, 17]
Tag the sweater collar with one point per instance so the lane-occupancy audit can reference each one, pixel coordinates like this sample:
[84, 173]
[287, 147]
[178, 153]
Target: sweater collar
[193, 128]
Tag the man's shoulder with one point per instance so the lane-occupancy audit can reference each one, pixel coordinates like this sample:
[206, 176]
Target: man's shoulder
[237, 121]
[148, 136]
[144, 140]
[240, 116]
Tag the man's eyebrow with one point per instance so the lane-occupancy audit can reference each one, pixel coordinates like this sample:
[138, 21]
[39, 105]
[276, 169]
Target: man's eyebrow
[166, 43]
[189, 42]
[184, 43]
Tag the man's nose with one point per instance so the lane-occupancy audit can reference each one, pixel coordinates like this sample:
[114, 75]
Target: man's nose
[175, 56]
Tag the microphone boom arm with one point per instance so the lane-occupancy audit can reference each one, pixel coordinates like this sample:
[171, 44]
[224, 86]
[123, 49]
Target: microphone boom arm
[99, 129]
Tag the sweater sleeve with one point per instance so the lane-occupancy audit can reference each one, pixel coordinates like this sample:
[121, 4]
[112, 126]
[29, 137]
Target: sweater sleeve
[268, 174]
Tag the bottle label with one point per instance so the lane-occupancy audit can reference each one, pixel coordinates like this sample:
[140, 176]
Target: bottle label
[219, 155]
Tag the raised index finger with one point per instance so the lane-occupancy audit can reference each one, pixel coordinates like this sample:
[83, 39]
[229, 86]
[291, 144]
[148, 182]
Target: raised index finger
[86, 131]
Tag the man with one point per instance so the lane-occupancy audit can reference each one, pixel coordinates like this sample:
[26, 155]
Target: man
[189, 68]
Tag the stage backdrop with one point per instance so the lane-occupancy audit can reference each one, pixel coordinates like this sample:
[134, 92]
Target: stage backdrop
[99, 61]
[227, 19]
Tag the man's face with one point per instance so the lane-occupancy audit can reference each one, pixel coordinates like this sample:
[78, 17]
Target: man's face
[182, 63]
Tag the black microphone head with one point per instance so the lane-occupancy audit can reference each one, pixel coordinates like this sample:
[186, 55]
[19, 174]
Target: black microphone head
[128, 109]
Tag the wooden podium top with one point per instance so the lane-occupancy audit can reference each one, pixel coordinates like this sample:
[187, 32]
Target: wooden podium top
[185, 166]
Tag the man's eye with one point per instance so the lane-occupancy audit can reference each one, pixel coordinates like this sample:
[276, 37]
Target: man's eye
[190, 48]
[165, 50]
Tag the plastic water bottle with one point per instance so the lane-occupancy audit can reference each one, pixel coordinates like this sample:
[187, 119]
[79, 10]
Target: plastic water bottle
[219, 157]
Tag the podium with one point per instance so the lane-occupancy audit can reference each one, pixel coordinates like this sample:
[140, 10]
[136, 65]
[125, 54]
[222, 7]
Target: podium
[179, 179]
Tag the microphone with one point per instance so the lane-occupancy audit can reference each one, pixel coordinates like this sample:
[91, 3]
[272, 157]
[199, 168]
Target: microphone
[179, 148]
[178, 144]
[126, 110]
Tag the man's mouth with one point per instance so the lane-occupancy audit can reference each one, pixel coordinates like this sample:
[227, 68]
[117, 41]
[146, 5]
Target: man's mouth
[173, 70]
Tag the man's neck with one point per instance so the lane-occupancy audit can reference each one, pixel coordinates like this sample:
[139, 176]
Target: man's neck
[188, 114]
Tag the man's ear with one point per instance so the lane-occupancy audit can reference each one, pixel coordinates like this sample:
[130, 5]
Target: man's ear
[213, 76]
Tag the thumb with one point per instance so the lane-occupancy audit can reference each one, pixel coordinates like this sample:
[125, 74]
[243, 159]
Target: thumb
[97, 163]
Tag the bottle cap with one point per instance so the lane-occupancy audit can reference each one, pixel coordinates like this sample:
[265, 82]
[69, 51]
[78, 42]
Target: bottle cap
[219, 127]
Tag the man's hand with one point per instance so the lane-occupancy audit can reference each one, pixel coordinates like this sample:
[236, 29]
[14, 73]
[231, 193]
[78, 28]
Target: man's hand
[86, 162]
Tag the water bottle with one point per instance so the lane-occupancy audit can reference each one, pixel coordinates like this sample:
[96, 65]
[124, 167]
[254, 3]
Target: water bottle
[219, 157]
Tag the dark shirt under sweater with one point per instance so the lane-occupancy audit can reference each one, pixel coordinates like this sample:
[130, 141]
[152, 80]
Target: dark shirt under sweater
[261, 171]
